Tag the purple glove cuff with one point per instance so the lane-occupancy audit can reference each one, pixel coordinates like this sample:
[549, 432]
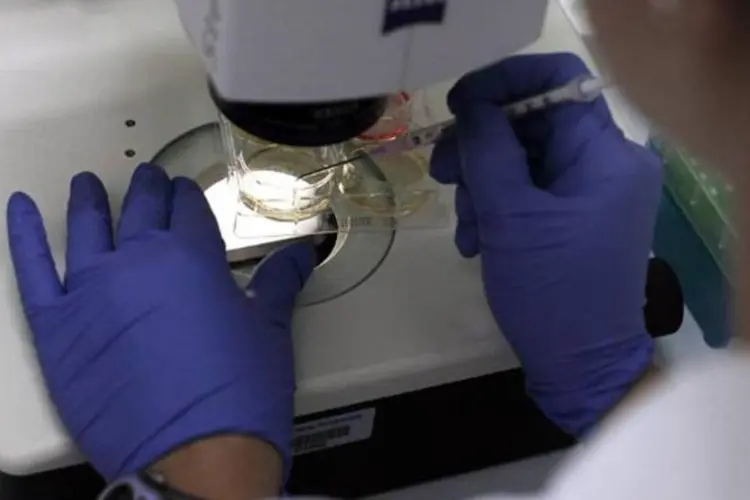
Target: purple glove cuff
[608, 374]
[212, 418]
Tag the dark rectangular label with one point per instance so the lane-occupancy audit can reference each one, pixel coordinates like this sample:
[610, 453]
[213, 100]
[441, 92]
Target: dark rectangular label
[334, 431]
[405, 13]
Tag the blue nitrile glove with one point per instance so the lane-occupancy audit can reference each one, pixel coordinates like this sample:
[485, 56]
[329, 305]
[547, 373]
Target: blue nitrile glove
[561, 209]
[148, 343]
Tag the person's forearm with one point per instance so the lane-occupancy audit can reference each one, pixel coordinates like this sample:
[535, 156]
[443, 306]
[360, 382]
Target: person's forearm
[223, 468]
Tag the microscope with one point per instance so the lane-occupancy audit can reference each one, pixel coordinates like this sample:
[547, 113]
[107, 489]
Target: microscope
[318, 72]
[301, 86]
[402, 373]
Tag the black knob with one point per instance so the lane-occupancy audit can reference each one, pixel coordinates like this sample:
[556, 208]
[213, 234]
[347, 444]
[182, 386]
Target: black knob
[665, 305]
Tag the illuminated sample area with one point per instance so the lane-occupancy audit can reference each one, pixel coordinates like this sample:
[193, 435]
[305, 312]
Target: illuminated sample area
[346, 258]
[270, 185]
[222, 197]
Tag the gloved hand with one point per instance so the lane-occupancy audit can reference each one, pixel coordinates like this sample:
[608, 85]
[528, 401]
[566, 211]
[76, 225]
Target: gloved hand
[148, 343]
[561, 209]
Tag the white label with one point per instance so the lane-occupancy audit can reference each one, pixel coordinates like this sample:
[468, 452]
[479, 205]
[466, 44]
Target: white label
[333, 431]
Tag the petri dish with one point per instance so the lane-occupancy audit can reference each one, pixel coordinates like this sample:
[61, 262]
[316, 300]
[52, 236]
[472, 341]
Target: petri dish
[270, 183]
[265, 174]
[400, 188]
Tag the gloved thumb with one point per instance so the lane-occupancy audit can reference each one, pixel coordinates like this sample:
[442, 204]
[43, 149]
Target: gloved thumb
[279, 278]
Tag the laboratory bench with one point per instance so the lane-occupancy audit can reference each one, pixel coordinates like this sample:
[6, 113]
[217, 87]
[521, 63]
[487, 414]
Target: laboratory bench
[526, 467]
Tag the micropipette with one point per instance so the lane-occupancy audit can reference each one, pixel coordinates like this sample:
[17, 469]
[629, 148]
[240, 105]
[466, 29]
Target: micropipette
[582, 89]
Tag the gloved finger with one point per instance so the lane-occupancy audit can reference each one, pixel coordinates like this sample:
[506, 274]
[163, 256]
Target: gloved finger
[613, 167]
[520, 77]
[280, 277]
[147, 203]
[492, 160]
[192, 218]
[650, 166]
[445, 162]
[467, 229]
[89, 222]
[557, 133]
[36, 275]
[571, 171]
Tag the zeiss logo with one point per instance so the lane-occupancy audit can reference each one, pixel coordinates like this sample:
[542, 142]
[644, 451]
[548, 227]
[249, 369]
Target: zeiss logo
[404, 13]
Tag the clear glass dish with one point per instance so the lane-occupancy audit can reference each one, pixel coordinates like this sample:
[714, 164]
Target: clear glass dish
[270, 183]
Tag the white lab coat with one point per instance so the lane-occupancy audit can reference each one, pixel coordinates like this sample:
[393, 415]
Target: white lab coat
[688, 438]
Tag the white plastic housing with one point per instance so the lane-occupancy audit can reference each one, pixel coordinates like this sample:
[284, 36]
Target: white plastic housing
[319, 50]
